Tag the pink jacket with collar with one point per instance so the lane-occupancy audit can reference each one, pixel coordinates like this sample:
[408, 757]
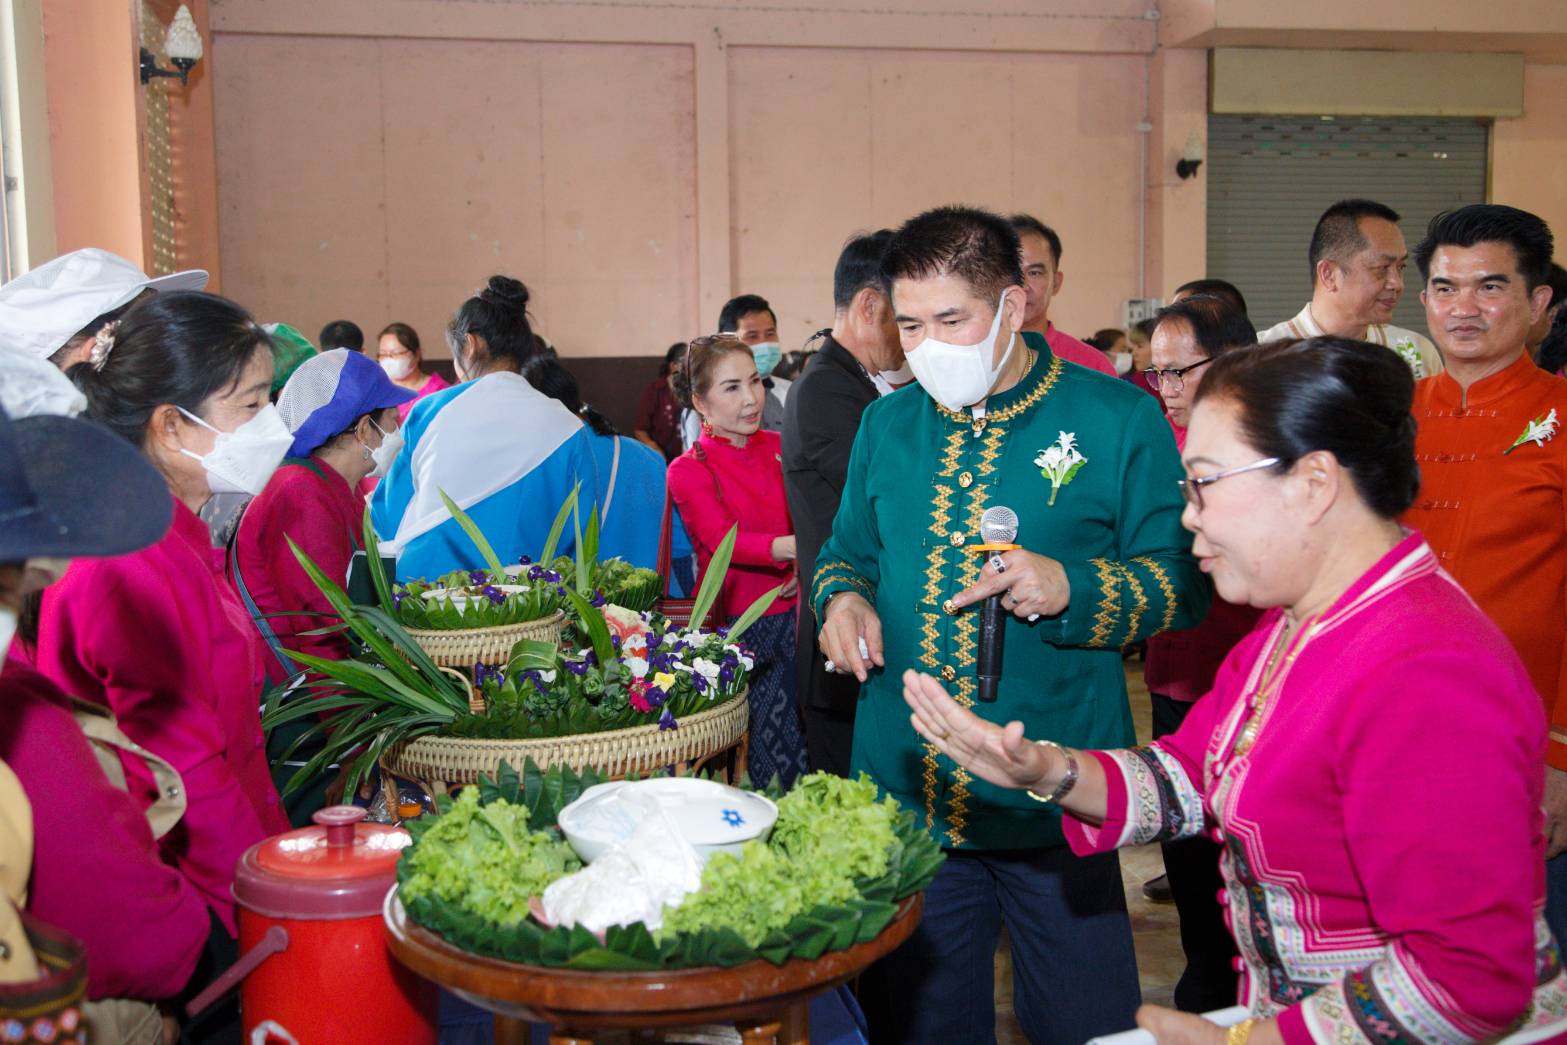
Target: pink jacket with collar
[161, 639]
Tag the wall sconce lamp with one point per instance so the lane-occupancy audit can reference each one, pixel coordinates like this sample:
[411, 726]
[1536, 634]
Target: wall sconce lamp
[182, 43]
[1191, 157]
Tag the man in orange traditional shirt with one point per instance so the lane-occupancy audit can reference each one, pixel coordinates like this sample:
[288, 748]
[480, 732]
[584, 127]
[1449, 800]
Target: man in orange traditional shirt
[1493, 494]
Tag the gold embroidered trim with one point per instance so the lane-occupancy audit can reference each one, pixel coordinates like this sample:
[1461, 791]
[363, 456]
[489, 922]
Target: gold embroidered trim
[1011, 410]
[1109, 601]
[930, 786]
[1139, 604]
[1166, 589]
[957, 806]
[838, 572]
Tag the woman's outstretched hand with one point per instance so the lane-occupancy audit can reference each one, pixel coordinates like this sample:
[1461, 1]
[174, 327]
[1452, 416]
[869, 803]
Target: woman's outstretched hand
[1000, 755]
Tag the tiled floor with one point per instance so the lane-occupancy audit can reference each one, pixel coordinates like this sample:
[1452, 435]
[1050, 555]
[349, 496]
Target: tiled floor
[1155, 929]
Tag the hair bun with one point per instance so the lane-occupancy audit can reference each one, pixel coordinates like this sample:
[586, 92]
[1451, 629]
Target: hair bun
[506, 292]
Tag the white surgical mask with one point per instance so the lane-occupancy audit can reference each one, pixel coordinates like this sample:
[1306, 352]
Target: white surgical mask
[243, 460]
[767, 354]
[8, 624]
[50, 568]
[1123, 363]
[398, 367]
[391, 443]
[958, 376]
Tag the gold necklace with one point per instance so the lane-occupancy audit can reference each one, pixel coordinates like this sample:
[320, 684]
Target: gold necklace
[1279, 660]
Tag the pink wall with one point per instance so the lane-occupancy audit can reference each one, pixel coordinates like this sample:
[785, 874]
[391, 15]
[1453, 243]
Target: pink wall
[378, 160]
[1529, 154]
[94, 124]
[384, 180]
[827, 142]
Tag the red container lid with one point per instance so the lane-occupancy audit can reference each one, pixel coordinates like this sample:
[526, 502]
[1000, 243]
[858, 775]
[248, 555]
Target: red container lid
[339, 869]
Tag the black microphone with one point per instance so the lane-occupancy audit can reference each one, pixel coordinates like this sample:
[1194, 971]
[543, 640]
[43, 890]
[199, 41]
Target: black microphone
[997, 526]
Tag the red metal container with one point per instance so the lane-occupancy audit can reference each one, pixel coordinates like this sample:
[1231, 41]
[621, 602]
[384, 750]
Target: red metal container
[311, 901]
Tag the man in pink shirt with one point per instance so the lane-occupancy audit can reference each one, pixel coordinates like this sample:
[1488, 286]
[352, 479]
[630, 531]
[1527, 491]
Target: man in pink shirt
[1042, 279]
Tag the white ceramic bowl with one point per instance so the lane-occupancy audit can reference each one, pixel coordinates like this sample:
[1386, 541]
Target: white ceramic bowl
[713, 817]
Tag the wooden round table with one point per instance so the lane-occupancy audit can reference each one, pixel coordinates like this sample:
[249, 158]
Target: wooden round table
[766, 1002]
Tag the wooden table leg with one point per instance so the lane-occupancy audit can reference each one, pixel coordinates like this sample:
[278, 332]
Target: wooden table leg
[512, 1032]
[796, 1028]
[760, 1033]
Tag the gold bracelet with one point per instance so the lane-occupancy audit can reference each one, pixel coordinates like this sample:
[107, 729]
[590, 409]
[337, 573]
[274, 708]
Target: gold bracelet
[1067, 782]
[1238, 1034]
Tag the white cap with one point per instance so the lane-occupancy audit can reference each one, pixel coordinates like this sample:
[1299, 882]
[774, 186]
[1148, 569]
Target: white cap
[42, 310]
[30, 387]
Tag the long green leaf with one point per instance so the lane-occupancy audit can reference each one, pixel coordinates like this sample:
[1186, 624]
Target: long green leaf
[376, 680]
[713, 578]
[378, 577]
[752, 614]
[372, 637]
[471, 528]
[532, 655]
[559, 526]
[598, 630]
[588, 554]
[580, 564]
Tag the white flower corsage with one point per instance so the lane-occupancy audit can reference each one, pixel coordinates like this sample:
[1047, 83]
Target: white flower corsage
[1539, 431]
[1411, 355]
[1060, 462]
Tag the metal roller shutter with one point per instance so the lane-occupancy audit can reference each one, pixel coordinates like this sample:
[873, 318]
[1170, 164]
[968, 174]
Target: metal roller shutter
[1270, 178]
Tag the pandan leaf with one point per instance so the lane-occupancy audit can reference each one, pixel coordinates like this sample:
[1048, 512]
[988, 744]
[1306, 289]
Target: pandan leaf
[752, 614]
[474, 534]
[597, 629]
[559, 526]
[580, 565]
[713, 578]
[587, 560]
[378, 577]
[532, 655]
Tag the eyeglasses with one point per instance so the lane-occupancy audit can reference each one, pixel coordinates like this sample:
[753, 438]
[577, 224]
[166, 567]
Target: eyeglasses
[1191, 489]
[1176, 378]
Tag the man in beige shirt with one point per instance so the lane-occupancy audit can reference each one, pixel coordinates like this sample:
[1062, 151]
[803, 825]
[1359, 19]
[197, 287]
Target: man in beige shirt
[1357, 271]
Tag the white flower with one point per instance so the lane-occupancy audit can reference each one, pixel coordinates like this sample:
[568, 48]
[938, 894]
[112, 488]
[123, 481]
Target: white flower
[547, 677]
[706, 668]
[637, 666]
[1411, 355]
[1060, 462]
[746, 662]
[1538, 432]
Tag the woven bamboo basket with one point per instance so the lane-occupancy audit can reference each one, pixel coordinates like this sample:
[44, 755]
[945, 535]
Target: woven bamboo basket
[439, 764]
[465, 647]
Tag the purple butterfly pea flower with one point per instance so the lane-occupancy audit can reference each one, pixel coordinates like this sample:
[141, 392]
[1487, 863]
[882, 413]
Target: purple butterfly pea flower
[478, 577]
[524, 560]
[494, 594]
[598, 599]
[699, 682]
[535, 572]
[667, 721]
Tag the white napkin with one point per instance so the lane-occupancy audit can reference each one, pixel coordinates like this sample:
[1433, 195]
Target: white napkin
[634, 880]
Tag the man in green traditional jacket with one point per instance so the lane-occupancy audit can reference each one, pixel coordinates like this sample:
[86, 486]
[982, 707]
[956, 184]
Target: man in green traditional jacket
[1088, 465]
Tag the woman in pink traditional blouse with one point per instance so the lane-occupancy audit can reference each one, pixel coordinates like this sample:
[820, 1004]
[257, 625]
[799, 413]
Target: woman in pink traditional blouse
[733, 476]
[1369, 758]
[158, 636]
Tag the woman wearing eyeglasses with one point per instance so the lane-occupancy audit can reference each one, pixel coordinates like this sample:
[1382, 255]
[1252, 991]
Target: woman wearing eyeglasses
[1180, 666]
[1369, 757]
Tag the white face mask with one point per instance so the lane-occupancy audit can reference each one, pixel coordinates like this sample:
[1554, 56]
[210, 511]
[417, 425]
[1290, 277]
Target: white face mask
[957, 376]
[8, 624]
[398, 367]
[1123, 363]
[243, 460]
[383, 455]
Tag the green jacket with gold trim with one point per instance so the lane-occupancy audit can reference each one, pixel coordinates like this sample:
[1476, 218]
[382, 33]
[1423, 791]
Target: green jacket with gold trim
[920, 477]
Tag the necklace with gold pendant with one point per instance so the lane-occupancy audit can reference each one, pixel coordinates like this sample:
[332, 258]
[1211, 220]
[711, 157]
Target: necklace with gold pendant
[1280, 658]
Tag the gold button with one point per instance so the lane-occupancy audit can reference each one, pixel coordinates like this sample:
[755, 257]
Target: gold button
[957, 539]
[966, 480]
[948, 674]
[950, 607]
